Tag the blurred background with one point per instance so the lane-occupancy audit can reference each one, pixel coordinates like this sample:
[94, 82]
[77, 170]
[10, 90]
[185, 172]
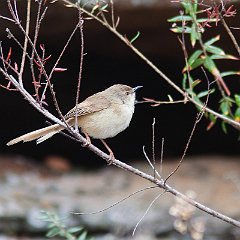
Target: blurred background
[29, 168]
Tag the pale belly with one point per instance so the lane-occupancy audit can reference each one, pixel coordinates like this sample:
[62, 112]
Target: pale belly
[106, 123]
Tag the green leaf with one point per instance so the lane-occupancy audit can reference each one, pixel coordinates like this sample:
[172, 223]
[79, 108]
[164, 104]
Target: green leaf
[212, 40]
[184, 81]
[199, 101]
[237, 99]
[224, 127]
[95, 8]
[186, 6]
[181, 29]
[195, 83]
[224, 107]
[194, 57]
[197, 63]
[67, 235]
[190, 92]
[45, 216]
[215, 50]
[212, 117]
[205, 93]
[180, 18]
[201, 20]
[195, 5]
[83, 236]
[103, 7]
[226, 56]
[237, 113]
[209, 64]
[229, 73]
[194, 35]
[51, 225]
[75, 229]
[135, 37]
[53, 232]
[229, 100]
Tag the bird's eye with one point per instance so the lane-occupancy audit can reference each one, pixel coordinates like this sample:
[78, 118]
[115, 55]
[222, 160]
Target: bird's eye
[127, 92]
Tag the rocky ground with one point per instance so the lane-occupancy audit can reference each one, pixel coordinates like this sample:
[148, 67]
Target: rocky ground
[27, 188]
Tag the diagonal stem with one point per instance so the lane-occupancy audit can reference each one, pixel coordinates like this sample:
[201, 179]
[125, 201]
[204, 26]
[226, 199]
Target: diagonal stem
[25, 42]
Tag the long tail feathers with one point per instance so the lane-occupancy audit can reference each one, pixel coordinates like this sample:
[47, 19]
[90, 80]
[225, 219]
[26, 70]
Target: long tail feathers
[40, 134]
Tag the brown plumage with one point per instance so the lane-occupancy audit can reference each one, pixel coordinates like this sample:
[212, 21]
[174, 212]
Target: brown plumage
[102, 115]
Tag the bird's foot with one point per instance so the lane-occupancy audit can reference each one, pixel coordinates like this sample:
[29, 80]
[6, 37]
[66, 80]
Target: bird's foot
[88, 141]
[111, 155]
[111, 158]
[86, 144]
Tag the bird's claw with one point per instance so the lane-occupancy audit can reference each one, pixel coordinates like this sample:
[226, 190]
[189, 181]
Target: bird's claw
[86, 144]
[111, 158]
[88, 140]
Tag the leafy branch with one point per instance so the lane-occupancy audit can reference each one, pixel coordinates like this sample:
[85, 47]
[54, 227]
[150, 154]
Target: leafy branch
[193, 23]
[111, 26]
[57, 227]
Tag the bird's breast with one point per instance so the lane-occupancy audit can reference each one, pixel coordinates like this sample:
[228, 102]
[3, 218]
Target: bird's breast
[108, 122]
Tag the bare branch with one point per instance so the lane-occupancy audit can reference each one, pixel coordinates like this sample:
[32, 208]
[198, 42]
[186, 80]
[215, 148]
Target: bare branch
[80, 25]
[235, 43]
[147, 210]
[59, 58]
[25, 43]
[151, 165]
[161, 158]
[6, 18]
[153, 148]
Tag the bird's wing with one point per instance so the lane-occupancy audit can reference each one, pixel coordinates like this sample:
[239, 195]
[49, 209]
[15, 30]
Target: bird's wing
[89, 105]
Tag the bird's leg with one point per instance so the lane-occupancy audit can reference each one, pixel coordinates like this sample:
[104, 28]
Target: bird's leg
[111, 155]
[88, 140]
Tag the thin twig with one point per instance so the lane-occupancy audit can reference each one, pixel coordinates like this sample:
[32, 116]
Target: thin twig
[59, 57]
[10, 35]
[153, 148]
[147, 210]
[151, 165]
[80, 24]
[156, 103]
[112, 14]
[25, 43]
[235, 43]
[8, 65]
[43, 71]
[36, 32]
[2, 57]
[116, 203]
[6, 18]
[182, 42]
[161, 158]
[15, 10]
[198, 119]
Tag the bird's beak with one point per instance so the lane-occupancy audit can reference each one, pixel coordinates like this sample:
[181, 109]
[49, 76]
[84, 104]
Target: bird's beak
[136, 88]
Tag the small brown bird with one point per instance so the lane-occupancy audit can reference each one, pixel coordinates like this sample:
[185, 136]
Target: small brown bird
[100, 116]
